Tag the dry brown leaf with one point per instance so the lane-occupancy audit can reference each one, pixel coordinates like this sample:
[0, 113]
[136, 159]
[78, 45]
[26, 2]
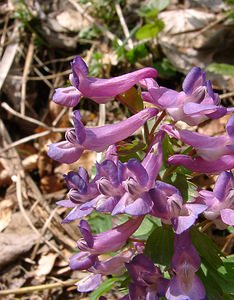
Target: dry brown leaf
[181, 25]
[5, 173]
[71, 20]
[214, 127]
[44, 164]
[50, 184]
[5, 213]
[17, 239]
[45, 264]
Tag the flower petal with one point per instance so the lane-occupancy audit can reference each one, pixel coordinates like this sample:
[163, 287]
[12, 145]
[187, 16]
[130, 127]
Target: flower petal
[227, 216]
[65, 152]
[197, 164]
[68, 96]
[89, 283]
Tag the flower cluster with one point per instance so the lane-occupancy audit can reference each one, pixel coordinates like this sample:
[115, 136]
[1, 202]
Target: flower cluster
[138, 189]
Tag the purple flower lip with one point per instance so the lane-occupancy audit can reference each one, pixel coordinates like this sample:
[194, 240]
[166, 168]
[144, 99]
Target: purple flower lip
[99, 90]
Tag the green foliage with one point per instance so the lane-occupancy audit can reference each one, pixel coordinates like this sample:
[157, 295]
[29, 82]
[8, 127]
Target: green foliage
[100, 222]
[165, 68]
[103, 288]
[153, 25]
[138, 52]
[217, 272]
[30, 21]
[159, 245]
[96, 65]
[128, 150]
[187, 189]
[222, 69]
[146, 228]
[108, 284]
[150, 30]
[89, 32]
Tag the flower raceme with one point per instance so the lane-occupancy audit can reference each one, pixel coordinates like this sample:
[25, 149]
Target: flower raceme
[136, 187]
[98, 90]
[97, 139]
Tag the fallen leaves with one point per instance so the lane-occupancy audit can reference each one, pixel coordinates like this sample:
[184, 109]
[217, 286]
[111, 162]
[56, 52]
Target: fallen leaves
[5, 213]
[16, 240]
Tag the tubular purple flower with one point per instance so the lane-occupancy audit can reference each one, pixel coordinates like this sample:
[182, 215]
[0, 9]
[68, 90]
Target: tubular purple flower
[99, 90]
[98, 138]
[114, 265]
[169, 206]
[215, 153]
[220, 202]
[148, 282]
[195, 104]
[81, 191]
[185, 263]
[108, 241]
[139, 179]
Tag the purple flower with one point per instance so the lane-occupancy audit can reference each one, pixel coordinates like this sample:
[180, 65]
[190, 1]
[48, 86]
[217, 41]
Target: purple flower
[148, 282]
[220, 202]
[99, 90]
[185, 263]
[109, 176]
[108, 241]
[92, 246]
[139, 179]
[117, 187]
[81, 191]
[114, 265]
[195, 104]
[215, 154]
[97, 139]
[169, 206]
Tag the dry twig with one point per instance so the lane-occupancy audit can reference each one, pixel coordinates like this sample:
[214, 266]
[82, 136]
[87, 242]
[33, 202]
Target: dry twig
[30, 289]
[28, 61]
[124, 25]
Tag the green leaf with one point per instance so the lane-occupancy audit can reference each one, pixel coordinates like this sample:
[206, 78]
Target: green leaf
[136, 53]
[148, 12]
[130, 150]
[103, 288]
[187, 189]
[222, 69]
[146, 228]
[150, 30]
[227, 272]
[100, 222]
[165, 68]
[230, 229]
[159, 245]
[208, 250]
